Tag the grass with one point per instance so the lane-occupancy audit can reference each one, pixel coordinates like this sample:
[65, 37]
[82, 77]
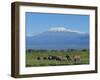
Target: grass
[31, 57]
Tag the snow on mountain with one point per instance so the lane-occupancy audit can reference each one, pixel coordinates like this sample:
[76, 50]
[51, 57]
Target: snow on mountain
[63, 29]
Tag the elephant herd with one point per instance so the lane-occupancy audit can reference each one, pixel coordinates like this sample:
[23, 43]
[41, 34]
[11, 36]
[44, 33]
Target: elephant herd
[75, 58]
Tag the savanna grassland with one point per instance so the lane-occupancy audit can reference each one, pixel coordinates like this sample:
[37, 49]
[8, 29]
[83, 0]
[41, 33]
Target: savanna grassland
[56, 57]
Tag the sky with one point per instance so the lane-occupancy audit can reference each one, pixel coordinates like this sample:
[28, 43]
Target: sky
[37, 23]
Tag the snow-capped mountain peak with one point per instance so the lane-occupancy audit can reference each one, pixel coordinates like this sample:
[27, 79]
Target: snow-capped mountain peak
[63, 29]
[58, 29]
[58, 39]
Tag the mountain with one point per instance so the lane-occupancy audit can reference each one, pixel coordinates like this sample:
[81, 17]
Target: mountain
[58, 39]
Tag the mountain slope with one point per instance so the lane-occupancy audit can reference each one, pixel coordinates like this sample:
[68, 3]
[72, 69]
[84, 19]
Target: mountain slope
[58, 39]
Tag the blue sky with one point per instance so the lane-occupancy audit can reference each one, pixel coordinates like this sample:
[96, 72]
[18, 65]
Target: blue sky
[40, 22]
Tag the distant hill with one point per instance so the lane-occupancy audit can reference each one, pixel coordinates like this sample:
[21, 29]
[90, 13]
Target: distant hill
[58, 39]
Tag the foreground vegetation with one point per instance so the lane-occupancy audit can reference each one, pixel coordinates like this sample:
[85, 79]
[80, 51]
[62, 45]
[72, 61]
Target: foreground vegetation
[55, 57]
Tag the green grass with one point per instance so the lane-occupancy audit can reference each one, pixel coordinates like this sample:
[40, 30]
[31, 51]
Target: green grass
[31, 58]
